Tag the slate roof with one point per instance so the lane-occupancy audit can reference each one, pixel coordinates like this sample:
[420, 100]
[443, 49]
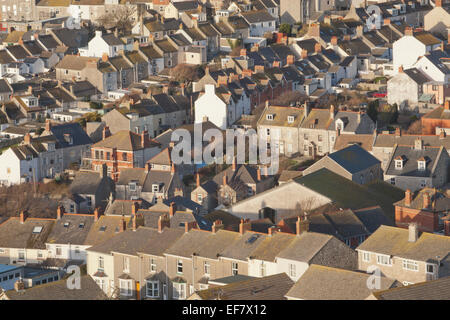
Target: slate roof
[280, 116]
[77, 133]
[105, 228]
[124, 140]
[71, 229]
[14, 234]
[354, 159]
[272, 287]
[365, 141]
[18, 52]
[59, 291]
[394, 242]
[410, 163]
[86, 182]
[111, 39]
[440, 201]
[244, 246]
[326, 283]
[257, 16]
[416, 75]
[72, 38]
[390, 140]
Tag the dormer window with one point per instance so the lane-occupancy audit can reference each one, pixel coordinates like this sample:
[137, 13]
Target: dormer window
[399, 163]
[269, 116]
[132, 186]
[290, 119]
[68, 138]
[155, 187]
[421, 164]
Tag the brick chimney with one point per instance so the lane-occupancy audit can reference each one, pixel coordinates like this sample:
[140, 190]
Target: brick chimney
[317, 48]
[172, 209]
[408, 197]
[272, 230]
[304, 54]
[243, 53]
[258, 173]
[134, 208]
[172, 169]
[233, 164]
[442, 134]
[290, 59]
[386, 22]
[447, 227]
[217, 225]
[106, 132]
[413, 234]
[197, 179]
[398, 132]
[334, 41]
[245, 226]
[148, 167]
[447, 105]
[224, 179]
[27, 138]
[301, 226]
[190, 225]
[163, 222]
[144, 138]
[438, 3]
[59, 212]
[426, 200]
[48, 125]
[96, 214]
[104, 57]
[400, 69]
[134, 223]
[332, 111]
[409, 31]
[314, 30]
[22, 216]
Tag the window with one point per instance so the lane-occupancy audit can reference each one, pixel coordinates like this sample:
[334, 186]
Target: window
[319, 148]
[398, 164]
[319, 137]
[290, 119]
[101, 264]
[179, 290]
[305, 136]
[207, 268]
[269, 116]
[58, 251]
[234, 268]
[152, 289]
[126, 264]
[124, 157]
[125, 287]
[179, 266]
[152, 265]
[101, 283]
[77, 249]
[384, 260]
[132, 186]
[421, 165]
[155, 187]
[21, 255]
[199, 197]
[410, 265]
[366, 256]
[393, 181]
[292, 271]
[268, 132]
[430, 268]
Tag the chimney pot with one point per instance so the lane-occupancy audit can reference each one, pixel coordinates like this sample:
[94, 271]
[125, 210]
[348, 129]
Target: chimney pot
[22, 216]
[198, 180]
[106, 132]
[172, 209]
[96, 215]
[59, 212]
[426, 200]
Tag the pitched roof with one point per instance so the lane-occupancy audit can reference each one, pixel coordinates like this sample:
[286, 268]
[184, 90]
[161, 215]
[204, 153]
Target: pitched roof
[365, 141]
[76, 132]
[105, 228]
[430, 290]
[272, 287]
[31, 234]
[354, 159]
[280, 116]
[257, 16]
[71, 229]
[326, 283]
[124, 140]
[59, 291]
[394, 241]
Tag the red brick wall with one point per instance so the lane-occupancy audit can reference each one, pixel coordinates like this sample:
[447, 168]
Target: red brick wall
[426, 220]
[429, 125]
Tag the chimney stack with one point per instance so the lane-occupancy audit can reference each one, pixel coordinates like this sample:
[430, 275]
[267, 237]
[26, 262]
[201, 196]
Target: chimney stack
[447, 105]
[426, 200]
[408, 31]
[243, 53]
[413, 234]
[442, 134]
[224, 179]
[172, 209]
[408, 197]
[27, 138]
[272, 230]
[172, 169]
[217, 225]
[447, 227]
[104, 171]
[22, 217]
[96, 215]
[245, 226]
[144, 138]
[106, 132]
[290, 59]
[233, 164]
[304, 54]
[59, 212]
[198, 180]
[148, 167]
[134, 222]
[400, 69]
[334, 41]
[258, 173]
[386, 22]
[332, 110]
[418, 144]
[163, 222]
[317, 48]
[301, 226]
[19, 286]
[123, 224]
[398, 132]
[438, 3]
[134, 208]
[48, 125]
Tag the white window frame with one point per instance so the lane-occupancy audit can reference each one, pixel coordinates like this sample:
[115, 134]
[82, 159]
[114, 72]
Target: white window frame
[177, 289]
[152, 289]
[101, 264]
[292, 270]
[365, 256]
[410, 265]
[179, 266]
[434, 268]
[207, 268]
[125, 287]
[380, 260]
[126, 264]
[152, 265]
[234, 268]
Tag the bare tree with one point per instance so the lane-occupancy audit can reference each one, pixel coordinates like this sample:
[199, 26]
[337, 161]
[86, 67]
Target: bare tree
[121, 18]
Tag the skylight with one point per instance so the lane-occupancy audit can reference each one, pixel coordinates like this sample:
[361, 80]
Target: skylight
[37, 230]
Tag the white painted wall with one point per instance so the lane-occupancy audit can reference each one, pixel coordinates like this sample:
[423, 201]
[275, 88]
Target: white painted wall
[211, 106]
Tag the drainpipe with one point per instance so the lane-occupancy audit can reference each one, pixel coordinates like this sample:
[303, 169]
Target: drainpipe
[193, 270]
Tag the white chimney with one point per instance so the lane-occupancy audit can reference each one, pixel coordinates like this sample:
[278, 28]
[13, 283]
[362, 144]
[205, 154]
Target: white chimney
[413, 232]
